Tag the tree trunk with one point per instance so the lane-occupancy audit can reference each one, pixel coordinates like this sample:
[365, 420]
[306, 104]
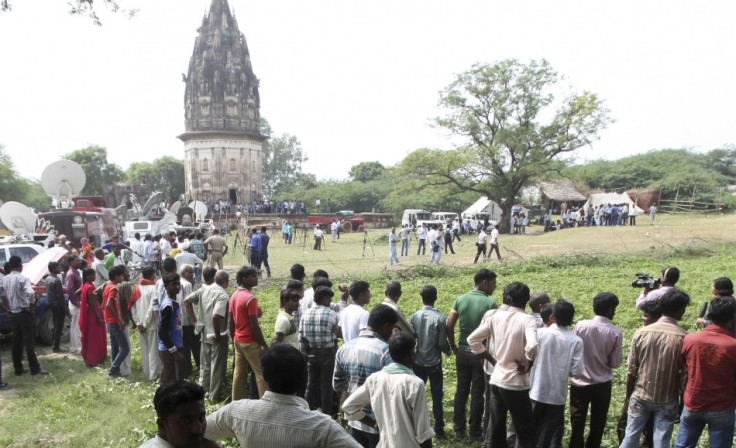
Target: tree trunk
[505, 217]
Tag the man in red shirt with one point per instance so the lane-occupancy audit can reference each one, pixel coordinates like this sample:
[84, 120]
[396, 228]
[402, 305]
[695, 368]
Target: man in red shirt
[115, 321]
[710, 395]
[248, 340]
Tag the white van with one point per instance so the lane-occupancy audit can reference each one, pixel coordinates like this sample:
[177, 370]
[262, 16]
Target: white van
[414, 218]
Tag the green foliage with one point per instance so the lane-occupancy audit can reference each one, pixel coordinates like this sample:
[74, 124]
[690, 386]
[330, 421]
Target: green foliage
[99, 172]
[501, 111]
[13, 187]
[165, 174]
[367, 171]
[282, 161]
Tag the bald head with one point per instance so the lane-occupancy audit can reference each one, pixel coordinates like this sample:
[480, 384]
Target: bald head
[222, 278]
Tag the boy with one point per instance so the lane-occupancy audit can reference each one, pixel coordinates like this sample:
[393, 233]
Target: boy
[560, 355]
[285, 327]
[431, 329]
[535, 303]
[170, 334]
[545, 313]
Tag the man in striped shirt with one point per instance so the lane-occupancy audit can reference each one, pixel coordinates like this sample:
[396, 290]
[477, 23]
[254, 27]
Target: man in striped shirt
[655, 373]
[602, 353]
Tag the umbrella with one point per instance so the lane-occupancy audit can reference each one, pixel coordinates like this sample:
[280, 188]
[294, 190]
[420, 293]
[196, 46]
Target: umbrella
[38, 267]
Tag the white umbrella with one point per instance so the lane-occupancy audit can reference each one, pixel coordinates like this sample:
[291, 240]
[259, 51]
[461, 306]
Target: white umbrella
[38, 267]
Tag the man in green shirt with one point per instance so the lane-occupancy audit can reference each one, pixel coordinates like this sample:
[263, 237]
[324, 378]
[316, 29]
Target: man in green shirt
[468, 310]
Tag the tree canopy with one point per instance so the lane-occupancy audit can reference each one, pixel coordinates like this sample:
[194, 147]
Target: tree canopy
[511, 136]
[367, 171]
[99, 172]
[282, 160]
[165, 174]
[13, 187]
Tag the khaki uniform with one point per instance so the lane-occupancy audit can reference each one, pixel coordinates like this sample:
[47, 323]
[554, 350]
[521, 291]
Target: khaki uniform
[217, 246]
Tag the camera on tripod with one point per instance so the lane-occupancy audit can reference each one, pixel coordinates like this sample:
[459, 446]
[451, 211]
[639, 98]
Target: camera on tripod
[646, 281]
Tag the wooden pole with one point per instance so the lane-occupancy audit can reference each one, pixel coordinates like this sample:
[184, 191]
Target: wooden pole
[677, 195]
[692, 199]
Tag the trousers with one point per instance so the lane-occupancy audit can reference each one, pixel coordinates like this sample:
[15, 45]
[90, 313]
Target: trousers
[213, 368]
[247, 354]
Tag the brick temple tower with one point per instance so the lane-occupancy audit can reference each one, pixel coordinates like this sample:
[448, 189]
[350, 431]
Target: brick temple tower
[222, 139]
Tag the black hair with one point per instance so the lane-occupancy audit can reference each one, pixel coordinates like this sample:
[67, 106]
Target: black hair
[320, 273]
[296, 285]
[564, 311]
[169, 265]
[652, 308]
[288, 294]
[170, 278]
[321, 292]
[537, 300]
[517, 293]
[14, 262]
[208, 273]
[546, 311]
[321, 281]
[263, 229]
[603, 302]
[115, 271]
[400, 346]
[284, 369]
[393, 288]
[382, 315]
[484, 274]
[297, 271]
[723, 286]
[671, 275]
[170, 396]
[86, 273]
[148, 272]
[722, 310]
[243, 272]
[358, 288]
[53, 265]
[429, 295]
[673, 301]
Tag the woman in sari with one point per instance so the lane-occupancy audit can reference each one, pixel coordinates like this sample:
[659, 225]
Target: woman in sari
[91, 323]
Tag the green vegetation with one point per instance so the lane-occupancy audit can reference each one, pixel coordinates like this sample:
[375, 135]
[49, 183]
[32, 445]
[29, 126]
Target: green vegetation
[165, 174]
[78, 407]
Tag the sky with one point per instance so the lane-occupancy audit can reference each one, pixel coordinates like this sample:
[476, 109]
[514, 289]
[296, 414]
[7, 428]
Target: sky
[356, 80]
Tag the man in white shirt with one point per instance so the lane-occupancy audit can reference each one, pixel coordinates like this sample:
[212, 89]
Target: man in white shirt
[98, 265]
[146, 319]
[422, 237]
[560, 355]
[481, 244]
[318, 237]
[397, 397]
[354, 317]
[280, 419]
[137, 247]
[404, 235]
[494, 243]
[393, 239]
[513, 334]
[334, 226]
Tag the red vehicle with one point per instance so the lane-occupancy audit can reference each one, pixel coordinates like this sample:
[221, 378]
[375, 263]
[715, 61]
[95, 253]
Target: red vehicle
[77, 225]
[349, 223]
[110, 221]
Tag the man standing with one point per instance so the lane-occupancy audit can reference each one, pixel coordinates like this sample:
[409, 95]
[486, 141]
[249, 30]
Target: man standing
[513, 334]
[422, 237]
[20, 301]
[710, 361]
[212, 303]
[481, 244]
[197, 248]
[397, 397]
[145, 319]
[55, 294]
[319, 337]
[652, 213]
[170, 335]
[468, 311]
[354, 317]
[137, 247]
[191, 348]
[655, 373]
[265, 239]
[318, 236]
[334, 227]
[393, 294]
[669, 279]
[280, 418]
[358, 359]
[456, 230]
[248, 340]
[602, 353]
[73, 285]
[404, 235]
[216, 248]
[255, 250]
[494, 243]
[115, 321]
[393, 239]
[101, 276]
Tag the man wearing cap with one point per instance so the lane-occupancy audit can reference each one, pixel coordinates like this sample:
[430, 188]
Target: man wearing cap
[217, 248]
[73, 285]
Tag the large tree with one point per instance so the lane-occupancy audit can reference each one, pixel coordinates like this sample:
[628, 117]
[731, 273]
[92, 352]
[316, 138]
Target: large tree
[165, 174]
[99, 172]
[282, 161]
[514, 131]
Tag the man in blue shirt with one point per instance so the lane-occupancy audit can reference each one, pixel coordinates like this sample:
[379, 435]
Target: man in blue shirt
[255, 250]
[265, 239]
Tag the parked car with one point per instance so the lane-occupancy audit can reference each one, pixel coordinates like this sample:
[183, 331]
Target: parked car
[26, 251]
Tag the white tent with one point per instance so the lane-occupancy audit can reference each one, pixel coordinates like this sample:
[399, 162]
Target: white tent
[597, 199]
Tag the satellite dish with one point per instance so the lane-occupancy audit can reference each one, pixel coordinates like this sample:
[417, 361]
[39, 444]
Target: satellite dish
[200, 210]
[151, 203]
[175, 207]
[63, 180]
[18, 218]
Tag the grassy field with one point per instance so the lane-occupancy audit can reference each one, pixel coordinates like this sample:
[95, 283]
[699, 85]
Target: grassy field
[77, 407]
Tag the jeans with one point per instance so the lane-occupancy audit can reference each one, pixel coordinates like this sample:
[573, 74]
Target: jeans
[405, 248]
[364, 439]
[481, 250]
[518, 404]
[720, 428]
[470, 381]
[665, 416]
[392, 257]
[598, 396]
[320, 367]
[23, 337]
[434, 374]
[119, 348]
[422, 247]
[490, 252]
[59, 312]
[448, 243]
[264, 260]
[549, 419]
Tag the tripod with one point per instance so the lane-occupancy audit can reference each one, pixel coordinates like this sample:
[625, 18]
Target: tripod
[367, 242]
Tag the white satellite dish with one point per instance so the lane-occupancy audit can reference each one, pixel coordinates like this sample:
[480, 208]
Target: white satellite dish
[150, 203]
[200, 210]
[18, 218]
[63, 180]
[175, 207]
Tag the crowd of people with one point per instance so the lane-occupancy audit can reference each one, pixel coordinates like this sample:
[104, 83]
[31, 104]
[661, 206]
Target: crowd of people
[600, 215]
